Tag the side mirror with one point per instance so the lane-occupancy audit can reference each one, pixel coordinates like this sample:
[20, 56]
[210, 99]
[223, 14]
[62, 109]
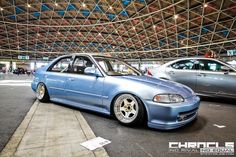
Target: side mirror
[92, 71]
[225, 69]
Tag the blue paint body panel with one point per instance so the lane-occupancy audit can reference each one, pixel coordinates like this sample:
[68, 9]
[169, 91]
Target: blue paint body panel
[36, 14]
[45, 7]
[124, 13]
[61, 12]
[85, 12]
[111, 16]
[19, 10]
[97, 93]
[71, 7]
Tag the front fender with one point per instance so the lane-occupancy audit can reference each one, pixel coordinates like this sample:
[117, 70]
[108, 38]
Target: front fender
[141, 91]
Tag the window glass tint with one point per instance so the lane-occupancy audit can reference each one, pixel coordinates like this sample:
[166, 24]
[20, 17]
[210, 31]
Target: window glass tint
[80, 64]
[210, 65]
[62, 65]
[185, 64]
[114, 67]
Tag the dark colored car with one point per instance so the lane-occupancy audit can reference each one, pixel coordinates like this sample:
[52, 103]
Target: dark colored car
[19, 71]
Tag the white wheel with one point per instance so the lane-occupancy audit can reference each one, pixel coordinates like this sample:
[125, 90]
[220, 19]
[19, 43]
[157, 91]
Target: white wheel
[127, 109]
[41, 93]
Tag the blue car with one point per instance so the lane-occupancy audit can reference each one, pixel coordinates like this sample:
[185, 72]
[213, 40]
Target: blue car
[111, 86]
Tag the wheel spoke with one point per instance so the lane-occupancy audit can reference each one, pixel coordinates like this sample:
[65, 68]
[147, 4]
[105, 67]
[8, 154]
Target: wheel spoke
[126, 114]
[132, 103]
[122, 108]
[133, 112]
[126, 102]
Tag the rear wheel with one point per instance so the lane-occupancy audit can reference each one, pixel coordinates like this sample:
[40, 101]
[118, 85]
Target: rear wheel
[42, 93]
[128, 110]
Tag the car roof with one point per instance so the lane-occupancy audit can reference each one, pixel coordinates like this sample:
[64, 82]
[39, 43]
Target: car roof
[191, 58]
[195, 58]
[88, 54]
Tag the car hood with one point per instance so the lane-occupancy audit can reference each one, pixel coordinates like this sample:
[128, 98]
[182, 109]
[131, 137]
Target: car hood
[168, 86]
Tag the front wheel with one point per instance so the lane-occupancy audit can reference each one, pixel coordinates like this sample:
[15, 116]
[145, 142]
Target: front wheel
[128, 110]
[42, 93]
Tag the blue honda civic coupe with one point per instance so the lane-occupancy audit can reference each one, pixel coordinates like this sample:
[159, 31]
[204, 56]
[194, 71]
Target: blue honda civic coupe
[113, 87]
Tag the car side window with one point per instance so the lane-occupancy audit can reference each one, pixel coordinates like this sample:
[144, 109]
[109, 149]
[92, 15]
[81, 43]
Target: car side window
[80, 63]
[210, 65]
[185, 65]
[62, 65]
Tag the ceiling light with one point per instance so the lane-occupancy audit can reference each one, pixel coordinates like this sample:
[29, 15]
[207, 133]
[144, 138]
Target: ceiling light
[18, 31]
[38, 34]
[176, 16]
[133, 27]
[154, 26]
[18, 46]
[99, 33]
[56, 4]
[58, 33]
[1, 9]
[83, 5]
[205, 5]
[110, 7]
[28, 5]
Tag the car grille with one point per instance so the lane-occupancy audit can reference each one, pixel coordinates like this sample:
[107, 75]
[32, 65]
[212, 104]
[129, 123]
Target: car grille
[186, 115]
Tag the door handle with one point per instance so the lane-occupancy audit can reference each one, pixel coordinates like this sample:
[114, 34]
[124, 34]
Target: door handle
[226, 72]
[201, 74]
[71, 79]
[171, 72]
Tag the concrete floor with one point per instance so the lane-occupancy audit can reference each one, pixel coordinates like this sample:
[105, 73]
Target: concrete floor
[50, 130]
[146, 142]
[137, 141]
[16, 98]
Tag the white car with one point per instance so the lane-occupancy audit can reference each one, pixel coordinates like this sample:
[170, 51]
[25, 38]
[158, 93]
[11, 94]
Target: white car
[206, 76]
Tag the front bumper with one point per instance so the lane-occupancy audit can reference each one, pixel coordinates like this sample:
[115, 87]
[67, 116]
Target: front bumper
[171, 116]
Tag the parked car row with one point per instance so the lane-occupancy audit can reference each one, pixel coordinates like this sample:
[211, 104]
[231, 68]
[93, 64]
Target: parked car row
[111, 86]
[20, 71]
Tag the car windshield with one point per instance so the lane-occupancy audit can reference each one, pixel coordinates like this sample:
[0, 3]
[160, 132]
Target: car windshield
[114, 67]
[229, 64]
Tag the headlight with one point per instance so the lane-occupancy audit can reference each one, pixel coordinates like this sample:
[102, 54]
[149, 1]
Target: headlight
[168, 98]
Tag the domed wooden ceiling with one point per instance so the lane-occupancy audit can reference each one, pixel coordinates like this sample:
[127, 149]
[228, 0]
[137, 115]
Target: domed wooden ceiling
[124, 28]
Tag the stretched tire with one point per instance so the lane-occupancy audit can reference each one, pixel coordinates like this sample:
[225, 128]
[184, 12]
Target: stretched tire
[42, 93]
[128, 110]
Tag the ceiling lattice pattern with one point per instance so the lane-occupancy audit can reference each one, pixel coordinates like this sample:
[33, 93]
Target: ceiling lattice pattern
[51, 28]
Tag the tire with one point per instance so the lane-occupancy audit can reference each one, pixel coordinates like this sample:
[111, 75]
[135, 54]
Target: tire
[129, 110]
[42, 93]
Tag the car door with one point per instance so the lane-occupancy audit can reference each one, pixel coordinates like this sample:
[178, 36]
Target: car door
[230, 83]
[56, 76]
[82, 88]
[183, 72]
[212, 79]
